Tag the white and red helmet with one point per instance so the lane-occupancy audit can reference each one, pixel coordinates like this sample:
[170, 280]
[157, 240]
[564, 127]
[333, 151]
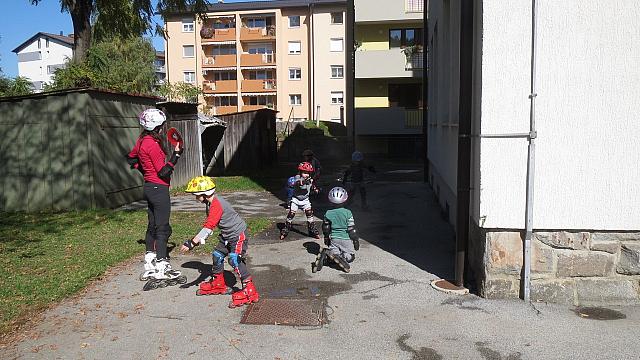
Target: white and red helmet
[151, 119]
[338, 195]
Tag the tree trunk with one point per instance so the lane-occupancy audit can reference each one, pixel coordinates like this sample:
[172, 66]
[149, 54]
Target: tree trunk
[81, 17]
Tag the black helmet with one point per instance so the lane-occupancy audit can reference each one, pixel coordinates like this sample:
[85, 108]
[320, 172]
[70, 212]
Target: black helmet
[307, 152]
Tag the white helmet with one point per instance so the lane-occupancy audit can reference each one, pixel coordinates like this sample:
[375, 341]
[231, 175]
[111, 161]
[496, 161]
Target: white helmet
[338, 195]
[357, 156]
[151, 119]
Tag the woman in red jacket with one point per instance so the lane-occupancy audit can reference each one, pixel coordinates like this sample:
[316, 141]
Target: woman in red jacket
[148, 156]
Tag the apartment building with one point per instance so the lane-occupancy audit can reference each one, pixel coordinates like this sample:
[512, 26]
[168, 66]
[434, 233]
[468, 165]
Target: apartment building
[41, 55]
[158, 66]
[288, 55]
[388, 36]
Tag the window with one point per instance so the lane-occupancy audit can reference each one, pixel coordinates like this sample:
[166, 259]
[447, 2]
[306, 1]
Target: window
[408, 96]
[187, 25]
[336, 44]
[259, 100]
[47, 43]
[260, 74]
[337, 71]
[223, 50]
[399, 38]
[38, 43]
[224, 75]
[337, 18]
[256, 23]
[188, 51]
[261, 49]
[294, 21]
[295, 99]
[190, 77]
[295, 74]
[337, 97]
[225, 101]
[295, 47]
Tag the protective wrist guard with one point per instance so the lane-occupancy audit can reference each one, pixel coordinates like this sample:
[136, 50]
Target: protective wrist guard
[166, 171]
[326, 227]
[190, 244]
[133, 162]
[174, 157]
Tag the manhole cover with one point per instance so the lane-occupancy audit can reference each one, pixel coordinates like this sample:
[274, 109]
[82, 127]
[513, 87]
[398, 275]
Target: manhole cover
[292, 312]
[599, 313]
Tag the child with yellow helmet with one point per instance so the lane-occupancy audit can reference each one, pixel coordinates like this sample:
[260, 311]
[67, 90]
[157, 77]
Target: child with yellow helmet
[232, 242]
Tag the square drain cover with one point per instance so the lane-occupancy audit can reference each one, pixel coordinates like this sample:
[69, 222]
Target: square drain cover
[292, 312]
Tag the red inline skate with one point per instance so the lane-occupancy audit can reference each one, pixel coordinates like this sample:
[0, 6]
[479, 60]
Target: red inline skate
[247, 295]
[216, 286]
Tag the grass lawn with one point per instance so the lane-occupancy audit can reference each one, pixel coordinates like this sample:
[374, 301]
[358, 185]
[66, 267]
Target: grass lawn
[49, 256]
[228, 184]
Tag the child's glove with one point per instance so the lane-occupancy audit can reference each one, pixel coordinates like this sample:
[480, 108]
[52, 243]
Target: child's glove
[327, 240]
[356, 244]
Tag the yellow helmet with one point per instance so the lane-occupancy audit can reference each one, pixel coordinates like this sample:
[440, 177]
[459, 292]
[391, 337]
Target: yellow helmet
[201, 185]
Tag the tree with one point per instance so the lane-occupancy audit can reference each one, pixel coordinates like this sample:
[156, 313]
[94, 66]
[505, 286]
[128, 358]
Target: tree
[117, 64]
[17, 86]
[125, 18]
[180, 91]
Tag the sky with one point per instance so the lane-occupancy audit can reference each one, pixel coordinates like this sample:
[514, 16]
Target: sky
[19, 20]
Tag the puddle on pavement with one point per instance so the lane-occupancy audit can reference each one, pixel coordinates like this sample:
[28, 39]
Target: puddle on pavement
[598, 313]
[277, 281]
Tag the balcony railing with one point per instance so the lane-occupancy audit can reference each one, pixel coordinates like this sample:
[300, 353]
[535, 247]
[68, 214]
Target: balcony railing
[415, 61]
[259, 85]
[388, 121]
[264, 33]
[209, 33]
[257, 59]
[414, 6]
[219, 61]
[219, 86]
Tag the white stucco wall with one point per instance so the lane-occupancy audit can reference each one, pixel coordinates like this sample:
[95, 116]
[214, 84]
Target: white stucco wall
[587, 114]
[55, 54]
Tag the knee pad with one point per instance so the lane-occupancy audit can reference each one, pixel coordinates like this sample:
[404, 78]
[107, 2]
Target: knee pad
[309, 212]
[350, 257]
[291, 215]
[218, 257]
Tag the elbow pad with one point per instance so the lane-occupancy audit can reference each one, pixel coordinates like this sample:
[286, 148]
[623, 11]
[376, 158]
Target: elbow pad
[165, 172]
[354, 237]
[326, 227]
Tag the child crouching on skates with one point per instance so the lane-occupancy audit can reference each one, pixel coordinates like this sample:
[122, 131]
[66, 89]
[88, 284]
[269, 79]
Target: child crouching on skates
[340, 235]
[232, 242]
[302, 184]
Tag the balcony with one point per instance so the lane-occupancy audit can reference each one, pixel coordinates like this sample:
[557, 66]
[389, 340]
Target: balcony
[253, 107]
[268, 85]
[219, 61]
[219, 86]
[388, 121]
[392, 63]
[393, 10]
[256, 34]
[211, 34]
[222, 110]
[257, 59]
[415, 61]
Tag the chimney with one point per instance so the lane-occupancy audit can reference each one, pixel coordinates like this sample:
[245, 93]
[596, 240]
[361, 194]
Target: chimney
[70, 35]
[61, 33]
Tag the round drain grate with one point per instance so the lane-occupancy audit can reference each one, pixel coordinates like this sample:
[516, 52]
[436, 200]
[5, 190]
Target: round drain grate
[599, 313]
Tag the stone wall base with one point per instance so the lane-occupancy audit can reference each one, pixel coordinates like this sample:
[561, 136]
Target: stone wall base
[567, 267]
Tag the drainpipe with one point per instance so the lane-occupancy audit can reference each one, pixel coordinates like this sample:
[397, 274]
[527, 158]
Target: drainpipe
[530, 159]
[312, 69]
[425, 89]
[350, 69]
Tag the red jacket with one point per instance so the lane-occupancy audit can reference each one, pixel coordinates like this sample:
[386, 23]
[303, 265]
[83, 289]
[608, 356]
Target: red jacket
[151, 158]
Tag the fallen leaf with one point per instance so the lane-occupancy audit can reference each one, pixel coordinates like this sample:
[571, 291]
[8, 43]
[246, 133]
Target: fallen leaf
[84, 345]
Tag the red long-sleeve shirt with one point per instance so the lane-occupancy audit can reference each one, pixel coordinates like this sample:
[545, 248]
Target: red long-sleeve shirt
[151, 158]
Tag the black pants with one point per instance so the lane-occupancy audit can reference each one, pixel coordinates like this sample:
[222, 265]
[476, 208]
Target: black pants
[159, 211]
